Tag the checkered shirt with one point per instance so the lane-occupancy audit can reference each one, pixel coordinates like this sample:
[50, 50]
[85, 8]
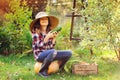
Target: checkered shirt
[38, 44]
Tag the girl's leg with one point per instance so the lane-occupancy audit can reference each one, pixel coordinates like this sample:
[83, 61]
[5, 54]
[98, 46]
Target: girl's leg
[48, 54]
[63, 55]
[46, 57]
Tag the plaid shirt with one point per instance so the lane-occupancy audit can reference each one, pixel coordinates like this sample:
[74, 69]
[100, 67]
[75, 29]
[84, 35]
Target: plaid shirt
[38, 44]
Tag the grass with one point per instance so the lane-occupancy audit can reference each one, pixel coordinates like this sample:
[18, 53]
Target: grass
[16, 67]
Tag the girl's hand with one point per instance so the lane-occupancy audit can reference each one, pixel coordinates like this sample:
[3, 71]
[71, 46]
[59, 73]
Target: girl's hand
[55, 34]
[49, 35]
[52, 34]
[54, 37]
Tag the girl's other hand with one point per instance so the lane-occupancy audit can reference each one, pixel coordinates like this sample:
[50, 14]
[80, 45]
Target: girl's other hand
[54, 37]
[49, 35]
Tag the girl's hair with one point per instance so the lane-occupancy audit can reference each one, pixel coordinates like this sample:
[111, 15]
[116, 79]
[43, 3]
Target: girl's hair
[37, 25]
[49, 25]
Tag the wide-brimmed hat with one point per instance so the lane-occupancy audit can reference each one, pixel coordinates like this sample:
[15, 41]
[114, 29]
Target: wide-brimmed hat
[53, 20]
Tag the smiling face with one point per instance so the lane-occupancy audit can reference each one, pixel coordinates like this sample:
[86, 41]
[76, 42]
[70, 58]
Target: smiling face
[44, 21]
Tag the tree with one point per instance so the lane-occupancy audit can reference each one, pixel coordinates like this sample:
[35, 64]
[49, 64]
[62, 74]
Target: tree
[104, 28]
[36, 6]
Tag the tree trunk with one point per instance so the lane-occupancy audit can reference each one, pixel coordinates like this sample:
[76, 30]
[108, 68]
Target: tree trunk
[118, 53]
[91, 52]
[37, 6]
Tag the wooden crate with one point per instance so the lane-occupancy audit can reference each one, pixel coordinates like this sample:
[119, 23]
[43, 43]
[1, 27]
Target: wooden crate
[85, 69]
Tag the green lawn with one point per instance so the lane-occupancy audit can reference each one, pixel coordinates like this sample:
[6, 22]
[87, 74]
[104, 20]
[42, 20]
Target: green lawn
[22, 68]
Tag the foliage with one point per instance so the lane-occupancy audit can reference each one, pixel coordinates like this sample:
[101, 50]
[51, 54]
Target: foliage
[17, 26]
[102, 27]
[63, 41]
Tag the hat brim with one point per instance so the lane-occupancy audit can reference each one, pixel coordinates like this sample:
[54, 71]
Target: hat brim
[53, 22]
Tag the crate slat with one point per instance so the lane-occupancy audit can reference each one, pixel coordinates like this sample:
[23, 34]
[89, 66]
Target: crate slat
[84, 69]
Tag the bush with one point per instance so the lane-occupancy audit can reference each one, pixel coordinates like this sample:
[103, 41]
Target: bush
[4, 42]
[17, 26]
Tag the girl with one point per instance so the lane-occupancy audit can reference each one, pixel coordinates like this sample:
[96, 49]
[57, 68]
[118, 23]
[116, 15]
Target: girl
[44, 42]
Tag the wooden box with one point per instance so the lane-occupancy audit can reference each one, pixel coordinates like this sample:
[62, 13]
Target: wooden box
[85, 69]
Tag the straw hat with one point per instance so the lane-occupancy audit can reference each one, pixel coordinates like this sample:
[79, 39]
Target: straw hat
[53, 20]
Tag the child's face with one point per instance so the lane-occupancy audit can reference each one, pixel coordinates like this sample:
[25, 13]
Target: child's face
[44, 21]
